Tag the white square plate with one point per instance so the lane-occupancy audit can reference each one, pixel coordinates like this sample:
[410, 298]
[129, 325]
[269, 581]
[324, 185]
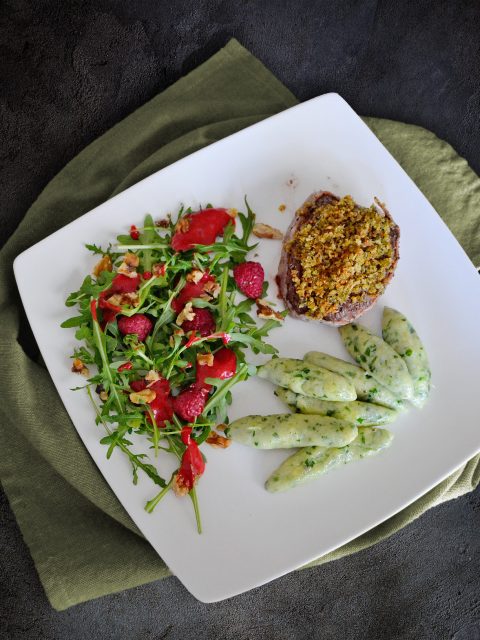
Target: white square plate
[251, 536]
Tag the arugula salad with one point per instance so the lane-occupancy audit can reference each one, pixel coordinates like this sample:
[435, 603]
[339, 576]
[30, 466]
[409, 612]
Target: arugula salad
[166, 319]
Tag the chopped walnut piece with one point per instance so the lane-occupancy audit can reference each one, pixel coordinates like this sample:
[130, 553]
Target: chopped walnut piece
[129, 265]
[105, 264]
[186, 313]
[212, 288]
[221, 427]
[266, 312]
[282, 207]
[143, 396]
[116, 299]
[79, 367]
[266, 231]
[178, 486]
[132, 298]
[131, 259]
[152, 377]
[124, 299]
[205, 359]
[159, 269]
[183, 225]
[218, 441]
[103, 396]
[194, 276]
[125, 270]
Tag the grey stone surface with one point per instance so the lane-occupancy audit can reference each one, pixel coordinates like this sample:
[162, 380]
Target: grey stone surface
[70, 70]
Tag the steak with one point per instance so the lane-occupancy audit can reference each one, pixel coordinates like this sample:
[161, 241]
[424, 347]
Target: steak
[349, 309]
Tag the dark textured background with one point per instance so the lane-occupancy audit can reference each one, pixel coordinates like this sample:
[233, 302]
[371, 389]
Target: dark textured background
[71, 69]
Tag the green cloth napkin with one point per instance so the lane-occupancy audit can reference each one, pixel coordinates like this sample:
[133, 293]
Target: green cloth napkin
[83, 543]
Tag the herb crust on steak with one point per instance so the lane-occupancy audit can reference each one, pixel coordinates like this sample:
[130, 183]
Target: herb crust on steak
[337, 258]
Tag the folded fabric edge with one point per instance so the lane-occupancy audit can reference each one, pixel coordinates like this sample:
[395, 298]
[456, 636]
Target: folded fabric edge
[459, 483]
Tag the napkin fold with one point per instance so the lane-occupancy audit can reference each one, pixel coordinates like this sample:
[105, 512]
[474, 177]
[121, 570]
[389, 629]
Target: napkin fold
[83, 543]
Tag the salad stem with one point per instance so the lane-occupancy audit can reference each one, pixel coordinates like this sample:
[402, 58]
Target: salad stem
[151, 504]
[140, 353]
[136, 247]
[99, 337]
[222, 302]
[192, 493]
[225, 388]
[167, 310]
[194, 499]
[155, 430]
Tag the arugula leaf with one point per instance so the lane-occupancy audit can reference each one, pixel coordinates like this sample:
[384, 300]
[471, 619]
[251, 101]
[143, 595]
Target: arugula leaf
[96, 250]
[73, 322]
[123, 444]
[257, 345]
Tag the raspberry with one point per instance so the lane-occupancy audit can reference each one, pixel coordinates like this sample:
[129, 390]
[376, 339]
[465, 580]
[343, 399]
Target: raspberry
[120, 284]
[249, 277]
[124, 284]
[189, 291]
[191, 467]
[108, 316]
[223, 367]
[134, 232]
[162, 410]
[201, 227]
[190, 403]
[139, 324]
[161, 387]
[203, 322]
[138, 385]
[161, 405]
